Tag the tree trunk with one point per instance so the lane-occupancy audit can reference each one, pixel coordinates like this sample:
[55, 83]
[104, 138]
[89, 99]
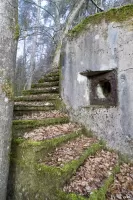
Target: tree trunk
[34, 48]
[9, 32]
[65, 32]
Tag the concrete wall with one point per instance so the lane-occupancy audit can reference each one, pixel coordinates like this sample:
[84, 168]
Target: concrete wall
[103, 46]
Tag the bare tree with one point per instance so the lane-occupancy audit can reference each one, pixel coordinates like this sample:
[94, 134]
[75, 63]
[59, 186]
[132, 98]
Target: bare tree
[69, 22]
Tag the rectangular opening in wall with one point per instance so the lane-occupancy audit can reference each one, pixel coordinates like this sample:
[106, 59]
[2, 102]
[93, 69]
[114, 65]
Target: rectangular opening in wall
[103, 87]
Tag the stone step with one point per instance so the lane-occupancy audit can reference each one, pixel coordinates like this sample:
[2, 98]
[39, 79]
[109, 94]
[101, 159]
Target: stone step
[92, 174]
[123, 184]
[68, 152]
[38, 114]
[33, 104]
[40, 97]
[49, 79]
[49, 90]
[33, 108]
[50, 132]
[45, 84]
[24, 124]
[51, 74]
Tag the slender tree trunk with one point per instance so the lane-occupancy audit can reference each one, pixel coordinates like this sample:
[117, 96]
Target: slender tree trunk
[57, 19]
[65, 32]
[34, 48]
[32, 62]
[8, 42]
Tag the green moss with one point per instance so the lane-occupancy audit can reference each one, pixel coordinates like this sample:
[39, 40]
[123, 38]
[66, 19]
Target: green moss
[37, 98]
[114, 15]
[19, 124]
[69, 169]
[46, 84]
[46, 145]
[43, 91]
[49, 79]
[96, 194]
[60, 105]
[7, 88]
[16, 32]
[64, 173]
[33, 108]
[52, 74]
[101, 193]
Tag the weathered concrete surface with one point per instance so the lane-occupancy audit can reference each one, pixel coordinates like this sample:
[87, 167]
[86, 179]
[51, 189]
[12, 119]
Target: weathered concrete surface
[100, 47]
[8, 18]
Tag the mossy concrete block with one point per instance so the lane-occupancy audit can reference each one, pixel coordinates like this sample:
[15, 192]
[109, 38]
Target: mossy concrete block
[33, 108]
[45, 97]
[41, 91]
[45, 84]
[49, 79]
[101, 43]
[19, 124]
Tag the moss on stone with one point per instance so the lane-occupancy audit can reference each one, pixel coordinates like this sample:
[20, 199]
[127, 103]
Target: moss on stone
[46, 84]
[33, 108]
[118, 15]
[49, 79]
[43, 91]
[52, 74]
[36, 98]
[19, 124]
[29, 177]
[99, 194]
[38, 178]
[16, 32]
[7, 88]
[48, 144]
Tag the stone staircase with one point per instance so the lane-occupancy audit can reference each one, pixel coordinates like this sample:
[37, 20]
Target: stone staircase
[55, 159]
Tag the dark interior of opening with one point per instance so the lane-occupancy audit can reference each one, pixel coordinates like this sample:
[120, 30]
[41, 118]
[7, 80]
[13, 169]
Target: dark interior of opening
[106, 87]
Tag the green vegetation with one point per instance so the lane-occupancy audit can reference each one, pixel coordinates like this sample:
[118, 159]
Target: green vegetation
[18, 124]
[16, 32]
[52, 74]
[49, 79]
[46, 84]
[37, 98]
[47, 180]
[43, 91]
[96, 194]
[7, 88]
[114, 15]
[33, 108]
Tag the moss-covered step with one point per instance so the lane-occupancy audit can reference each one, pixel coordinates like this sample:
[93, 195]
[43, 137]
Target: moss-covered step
[26, 180]
[51, 74]
[33, 108]
[123, 183]
[63, 173]
[49, 79]
[38, 114]
[45, 84]
[97, 175]
[19, 124]
[41, 91]
[96, 194]
[40, 97]
[44, 133]
[32, 179]
[34, 103]
[69, 151]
